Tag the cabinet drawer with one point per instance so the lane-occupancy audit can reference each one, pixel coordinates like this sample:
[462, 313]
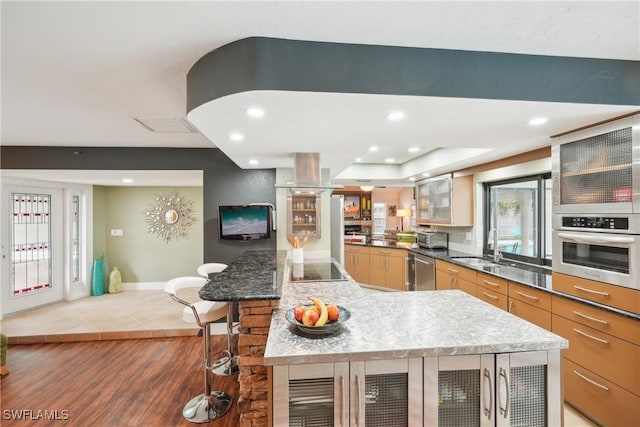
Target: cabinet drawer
[531, 296]
[388, 252]
[601, 399]
[603, 293]
[493, 282]
[360, 249]
[492, 297]
[530, 313]
[611, 323]
[612, 358]
[456, 270]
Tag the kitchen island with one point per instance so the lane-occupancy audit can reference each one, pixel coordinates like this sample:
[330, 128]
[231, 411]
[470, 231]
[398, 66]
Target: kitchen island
[416, 344]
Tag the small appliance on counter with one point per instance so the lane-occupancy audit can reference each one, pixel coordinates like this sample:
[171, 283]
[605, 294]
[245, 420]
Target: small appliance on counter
[432, 239]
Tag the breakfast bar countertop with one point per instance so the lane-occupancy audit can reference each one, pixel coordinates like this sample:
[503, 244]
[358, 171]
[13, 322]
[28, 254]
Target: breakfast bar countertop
[255, 275]
[387, 325]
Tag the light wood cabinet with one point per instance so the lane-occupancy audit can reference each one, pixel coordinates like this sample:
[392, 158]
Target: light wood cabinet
[493, 289]
[530, 304]
[598, 397]
[356, 262]
[303, 214]
[452, 276]
[602, 363]
[387, 268]
[445, 200]
[603, 293]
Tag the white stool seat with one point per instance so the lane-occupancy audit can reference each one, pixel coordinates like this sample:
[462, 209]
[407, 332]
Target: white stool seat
[208, 311]
[210, 267]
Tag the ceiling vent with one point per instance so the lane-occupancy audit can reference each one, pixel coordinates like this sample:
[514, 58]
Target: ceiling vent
[166, 125]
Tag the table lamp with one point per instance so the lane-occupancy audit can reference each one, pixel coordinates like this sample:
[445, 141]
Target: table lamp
[402, 213]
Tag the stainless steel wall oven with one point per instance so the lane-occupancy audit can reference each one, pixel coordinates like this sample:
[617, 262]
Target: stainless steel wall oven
[602, 248]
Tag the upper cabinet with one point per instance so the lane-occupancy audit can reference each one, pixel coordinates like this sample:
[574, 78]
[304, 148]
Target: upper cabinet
[303, 214]
[445, 200]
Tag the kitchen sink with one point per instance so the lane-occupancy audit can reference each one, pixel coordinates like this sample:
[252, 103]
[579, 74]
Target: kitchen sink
[475, 261]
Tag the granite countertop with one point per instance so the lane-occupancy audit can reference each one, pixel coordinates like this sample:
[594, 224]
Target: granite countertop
[255, 275]
[400, 324]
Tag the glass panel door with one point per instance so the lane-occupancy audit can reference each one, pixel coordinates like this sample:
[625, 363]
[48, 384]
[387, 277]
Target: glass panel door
[379, 219]
[33, 274]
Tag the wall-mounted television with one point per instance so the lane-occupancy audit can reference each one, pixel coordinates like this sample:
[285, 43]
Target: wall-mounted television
[248, 222]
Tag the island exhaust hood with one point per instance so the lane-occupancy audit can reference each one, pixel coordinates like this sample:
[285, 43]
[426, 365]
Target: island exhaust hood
[306, 167]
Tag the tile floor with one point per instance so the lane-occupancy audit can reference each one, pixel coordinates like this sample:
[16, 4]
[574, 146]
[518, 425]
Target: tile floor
[130, 314]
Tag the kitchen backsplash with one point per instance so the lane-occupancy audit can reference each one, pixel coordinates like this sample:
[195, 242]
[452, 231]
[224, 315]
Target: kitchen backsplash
[459, 238]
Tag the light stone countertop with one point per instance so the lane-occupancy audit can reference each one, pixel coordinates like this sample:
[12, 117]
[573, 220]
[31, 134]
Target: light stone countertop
[386, 325]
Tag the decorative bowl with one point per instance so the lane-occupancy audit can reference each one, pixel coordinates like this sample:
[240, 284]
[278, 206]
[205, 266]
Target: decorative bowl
[327, 329]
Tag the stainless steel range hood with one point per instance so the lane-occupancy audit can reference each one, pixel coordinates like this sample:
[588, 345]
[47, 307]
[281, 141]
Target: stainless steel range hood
[307, 176]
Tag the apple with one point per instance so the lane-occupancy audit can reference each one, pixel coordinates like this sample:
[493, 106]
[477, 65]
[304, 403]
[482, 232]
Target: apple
[310, 317]
[333, 312]
[298, 311]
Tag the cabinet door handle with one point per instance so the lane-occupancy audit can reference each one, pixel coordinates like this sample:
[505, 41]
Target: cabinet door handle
[489, 296]
[590, 381]
[451, 270]
[591, 291]
[510, 305]
[494, 284]
[487, 377]
[342, 400]
[527, 296]
[584, 316]
[584, 334]
[504, 411]
[358, 400]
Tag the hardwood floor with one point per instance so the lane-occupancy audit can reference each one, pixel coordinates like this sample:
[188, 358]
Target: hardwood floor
[142, 382]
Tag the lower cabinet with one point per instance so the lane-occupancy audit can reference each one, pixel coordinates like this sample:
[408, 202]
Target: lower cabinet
[452, 276]
[372, 393]
[356, 262]
[387, 268]
[510, 389]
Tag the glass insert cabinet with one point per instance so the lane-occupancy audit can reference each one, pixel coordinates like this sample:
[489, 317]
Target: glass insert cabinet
[508, 389]
[303, 213]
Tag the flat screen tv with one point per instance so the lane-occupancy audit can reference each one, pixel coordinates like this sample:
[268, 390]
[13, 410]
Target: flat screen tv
[247, 222]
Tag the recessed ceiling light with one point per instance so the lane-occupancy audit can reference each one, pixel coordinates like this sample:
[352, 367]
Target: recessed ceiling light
[413, 149]
[255, 112]
[374, 148]
[127, 180]
[537, 121]
[426, 174]
[389, 160]
[236, 136]
[253, 162]
[358, 160]
[395, 115]
[412, 179]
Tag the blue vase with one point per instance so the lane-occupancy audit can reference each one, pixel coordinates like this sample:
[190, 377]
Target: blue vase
[98, 277]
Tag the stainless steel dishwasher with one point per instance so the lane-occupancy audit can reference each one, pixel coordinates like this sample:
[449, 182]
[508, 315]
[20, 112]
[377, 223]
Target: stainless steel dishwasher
[425, 273]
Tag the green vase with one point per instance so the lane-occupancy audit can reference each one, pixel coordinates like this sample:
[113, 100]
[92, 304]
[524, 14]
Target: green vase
[98, 277]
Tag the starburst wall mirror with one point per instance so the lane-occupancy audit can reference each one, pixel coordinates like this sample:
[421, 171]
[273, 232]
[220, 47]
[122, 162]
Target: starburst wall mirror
[170, 217]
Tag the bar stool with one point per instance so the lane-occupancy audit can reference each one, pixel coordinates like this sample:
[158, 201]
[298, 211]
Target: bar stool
[210, 405]
[229, 364]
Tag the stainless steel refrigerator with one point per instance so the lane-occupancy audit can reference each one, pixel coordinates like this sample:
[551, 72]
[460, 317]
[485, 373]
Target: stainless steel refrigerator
[336, 213]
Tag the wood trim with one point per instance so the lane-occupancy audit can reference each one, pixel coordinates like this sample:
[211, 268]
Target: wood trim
[529, 156]
[601, 122]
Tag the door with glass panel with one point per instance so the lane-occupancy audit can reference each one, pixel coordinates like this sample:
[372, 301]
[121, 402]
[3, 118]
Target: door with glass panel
[32, 247]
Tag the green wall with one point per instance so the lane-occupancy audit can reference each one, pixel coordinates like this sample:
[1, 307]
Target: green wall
[139, 255]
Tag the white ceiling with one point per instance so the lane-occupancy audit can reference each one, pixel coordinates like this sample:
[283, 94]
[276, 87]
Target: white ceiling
[78, 73]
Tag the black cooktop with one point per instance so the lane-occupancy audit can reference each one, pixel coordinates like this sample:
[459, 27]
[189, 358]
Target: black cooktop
[315, 272]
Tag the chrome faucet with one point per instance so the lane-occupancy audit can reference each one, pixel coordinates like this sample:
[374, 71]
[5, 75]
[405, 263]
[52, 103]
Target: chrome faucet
[493, 235]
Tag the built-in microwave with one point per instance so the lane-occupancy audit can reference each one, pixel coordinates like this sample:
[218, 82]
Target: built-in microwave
[605, 248]
[597, 170]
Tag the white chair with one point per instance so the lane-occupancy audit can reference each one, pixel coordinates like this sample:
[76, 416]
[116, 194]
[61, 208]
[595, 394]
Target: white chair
[210, 405]
[229, 365]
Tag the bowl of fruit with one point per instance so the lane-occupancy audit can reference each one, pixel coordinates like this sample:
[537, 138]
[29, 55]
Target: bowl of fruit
[317, 318]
